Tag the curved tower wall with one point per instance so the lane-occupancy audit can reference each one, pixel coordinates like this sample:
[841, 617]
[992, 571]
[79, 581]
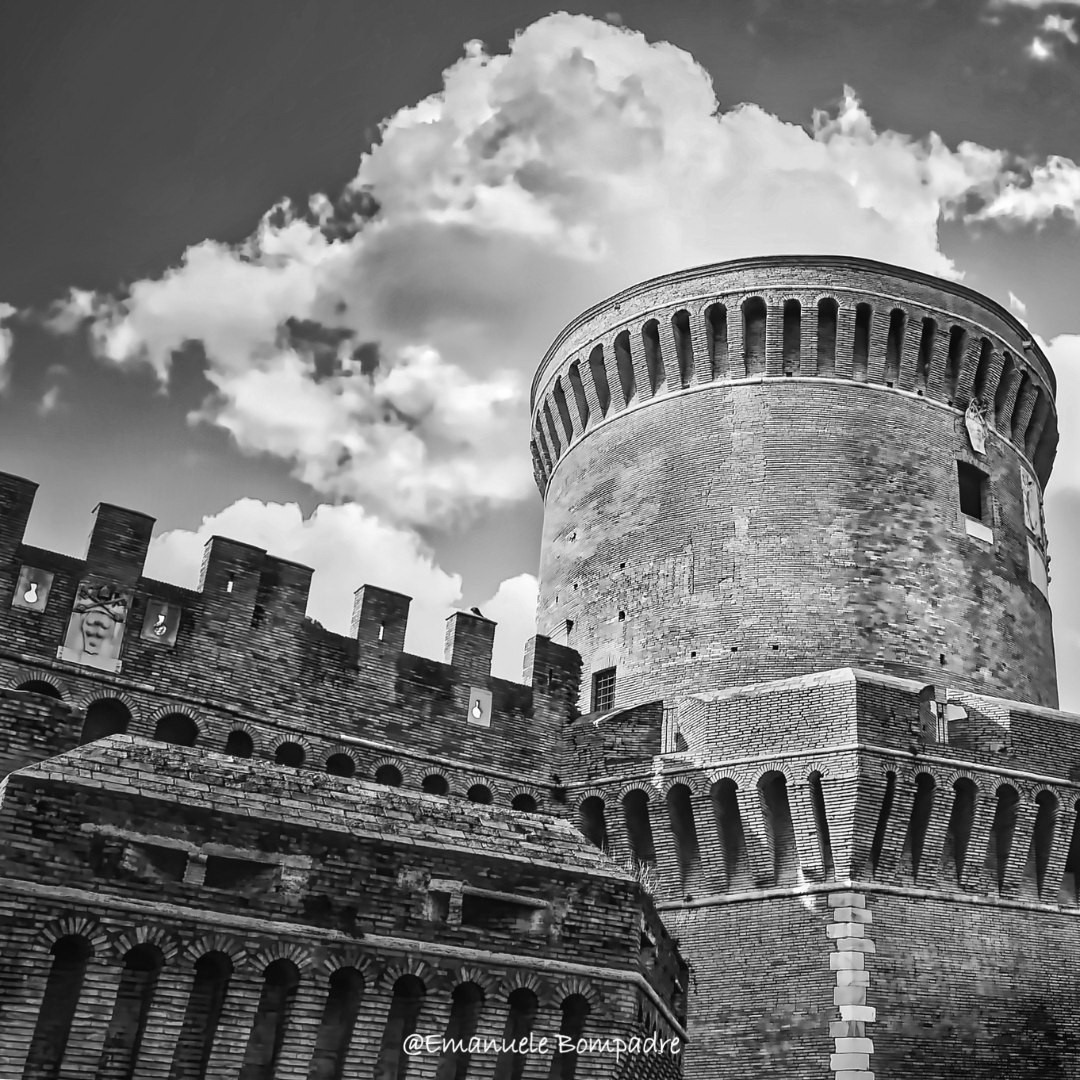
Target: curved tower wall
[781, 493]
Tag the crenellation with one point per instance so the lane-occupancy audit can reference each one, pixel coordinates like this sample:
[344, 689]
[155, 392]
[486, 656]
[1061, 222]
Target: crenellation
[119, 540]
[469, 642]
[380, 617]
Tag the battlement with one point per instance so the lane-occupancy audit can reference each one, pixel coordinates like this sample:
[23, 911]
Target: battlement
[239, 653]
[798, 317]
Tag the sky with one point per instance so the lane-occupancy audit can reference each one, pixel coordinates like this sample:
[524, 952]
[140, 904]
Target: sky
[283, 271]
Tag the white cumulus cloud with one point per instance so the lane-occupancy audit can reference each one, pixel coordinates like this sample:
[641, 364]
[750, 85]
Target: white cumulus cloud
[1058, 24]
[383, 343]
[348, 547]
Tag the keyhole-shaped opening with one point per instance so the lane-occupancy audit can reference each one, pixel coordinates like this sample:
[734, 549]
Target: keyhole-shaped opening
[477, 710]
[31, 594]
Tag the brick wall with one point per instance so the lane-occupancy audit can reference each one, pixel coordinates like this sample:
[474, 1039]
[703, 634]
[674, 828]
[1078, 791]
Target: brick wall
[789, 528]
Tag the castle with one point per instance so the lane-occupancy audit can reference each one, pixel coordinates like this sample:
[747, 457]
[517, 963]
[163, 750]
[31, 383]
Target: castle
[785, 789]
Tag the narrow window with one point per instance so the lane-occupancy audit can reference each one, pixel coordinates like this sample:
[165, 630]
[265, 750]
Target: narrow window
[201, 1016]
[729, 827]
[1001, 395]
[1070, 881]
[480, 793]
[894, 346]
[654, 360]
[860, 354]
[780, 830]
[520, 1020]
[401, 1021]
[123, 1039]
[542, 446]
[580, 400]
[466, 1003]
[827, 311]
[104, 718]
[575, 1012]
[1002, 832]
[556, 443]
[877, 846]
[70, 955]
[603, 690]
[625, 366]
[792, 336]
[388, 775]
[291, 754]
[681, 817]
[716, 332]
[1020, 435]
[592, 822]
[982, 372]
[955, 360]
[1039, 415]
[341, 765]
[638, 827]
[926, 354]
[1043, 458]
[754, 321]
[434, 784]
[921, 809]
[280, 982]
[239, 744]
[1022, 384]
[337, 1024]
[684, 350]
[961, 822]
[524, 803]
[821, 823]
[599, 378]
[972, 484]
[177, 729]
[1042, 840]
[563, 410]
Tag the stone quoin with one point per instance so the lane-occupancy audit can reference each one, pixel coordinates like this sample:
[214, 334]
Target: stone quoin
[785, 784]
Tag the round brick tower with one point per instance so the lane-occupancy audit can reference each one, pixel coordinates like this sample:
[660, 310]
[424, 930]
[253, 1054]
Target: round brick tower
[783, 465]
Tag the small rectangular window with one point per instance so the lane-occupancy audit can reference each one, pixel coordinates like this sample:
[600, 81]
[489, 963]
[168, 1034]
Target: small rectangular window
[603, 690]
[973, 484]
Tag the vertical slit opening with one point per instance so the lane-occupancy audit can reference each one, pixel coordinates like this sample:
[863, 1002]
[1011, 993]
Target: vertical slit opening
[717, 333]
[821, 824]
[681, 817]
[638, 827]
[654, 360]
[792, 336]
[1002, 833]
[754, 324]
[878, 843]
[624, 363]
[599, 378]
[954, 360]
[894, 345]
[580, 400]
[961, 822]
[684, 351]
[828, 310]
[860, 351]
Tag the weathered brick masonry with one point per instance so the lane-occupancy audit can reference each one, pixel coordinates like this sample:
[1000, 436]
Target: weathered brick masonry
[785, 774]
